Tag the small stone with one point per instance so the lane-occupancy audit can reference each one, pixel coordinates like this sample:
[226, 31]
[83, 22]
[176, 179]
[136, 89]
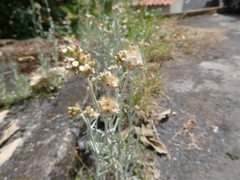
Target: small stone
[232, 155]
[215, 129]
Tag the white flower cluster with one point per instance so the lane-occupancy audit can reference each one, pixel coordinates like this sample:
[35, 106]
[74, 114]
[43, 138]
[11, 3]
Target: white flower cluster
[74, 111]
[77, 61]
[108, 105]
[130, 58]
[88, 112]
[109, 80]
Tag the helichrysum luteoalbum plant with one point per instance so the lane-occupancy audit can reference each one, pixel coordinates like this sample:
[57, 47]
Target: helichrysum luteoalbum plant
[112, 153]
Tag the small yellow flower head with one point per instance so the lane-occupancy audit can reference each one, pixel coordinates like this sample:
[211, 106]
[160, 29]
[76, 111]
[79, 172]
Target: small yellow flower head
[108, 105]
[74, 111]
[109, 80]
[90, 113]
[130, 58]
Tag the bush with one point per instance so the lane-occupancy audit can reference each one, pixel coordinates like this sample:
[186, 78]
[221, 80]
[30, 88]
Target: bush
[16, 18]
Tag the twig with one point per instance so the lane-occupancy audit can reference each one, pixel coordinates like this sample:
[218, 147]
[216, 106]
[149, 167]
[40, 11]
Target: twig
[81, 161]
[179, 132]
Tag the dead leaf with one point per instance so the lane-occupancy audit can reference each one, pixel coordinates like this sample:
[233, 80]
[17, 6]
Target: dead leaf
[191, 124]
[40, 76]
[179, 36]
[8, 131]
[26, 58]
[157, 145]
[165, 114]
[143, 116]
[3, 114]
[7, 151]
[157, 175]
[37, 77]
[148, 132]
[59, 71]
[150, 125]
[124, 134]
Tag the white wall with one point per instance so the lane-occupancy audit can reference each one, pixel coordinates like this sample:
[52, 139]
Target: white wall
[177, 7]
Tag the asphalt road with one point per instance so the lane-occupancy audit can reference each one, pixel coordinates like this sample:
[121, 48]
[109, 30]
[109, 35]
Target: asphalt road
[206, 91]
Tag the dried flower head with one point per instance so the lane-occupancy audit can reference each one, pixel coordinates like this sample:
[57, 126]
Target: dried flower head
[86, 70]
[113, 67]
[88, 89]
[74, 111]
[109, 80]
[108, 105]
[90, 113]
[130, 58]
[77, 61]
[94, 79]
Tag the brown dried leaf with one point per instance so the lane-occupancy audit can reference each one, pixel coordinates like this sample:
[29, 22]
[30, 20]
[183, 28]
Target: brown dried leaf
[36, 77]
[59, 71]
[179, 36]
[7, 151]
[26, 58]
[124, 134]
[9, 130]
[3, 114]
[143, 116]
[157, 175]
[148, 132]
[137, 130]
[150, 125]
[165, 114]
[144, 131]
[40, 76]
[157, 145]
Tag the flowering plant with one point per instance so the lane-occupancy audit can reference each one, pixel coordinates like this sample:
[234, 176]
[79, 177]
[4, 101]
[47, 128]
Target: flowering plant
[108, 144]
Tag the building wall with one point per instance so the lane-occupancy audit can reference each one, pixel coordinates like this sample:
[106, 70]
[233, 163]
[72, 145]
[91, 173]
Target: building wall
[189, 5]
[174, 8]
[186, 5]
[177, 7]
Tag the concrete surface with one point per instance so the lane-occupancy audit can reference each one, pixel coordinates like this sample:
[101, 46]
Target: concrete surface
[208, 91]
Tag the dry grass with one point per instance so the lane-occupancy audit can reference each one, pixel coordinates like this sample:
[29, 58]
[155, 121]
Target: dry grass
[149, 84]
[190, 40]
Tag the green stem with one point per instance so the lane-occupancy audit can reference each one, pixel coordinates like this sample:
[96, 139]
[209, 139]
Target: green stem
[120, 138]
[95, 103]
[100, 152]
[89, 130]
[123, 89]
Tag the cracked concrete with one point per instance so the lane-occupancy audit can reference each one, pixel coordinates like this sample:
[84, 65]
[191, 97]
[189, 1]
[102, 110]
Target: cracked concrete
[207, 89]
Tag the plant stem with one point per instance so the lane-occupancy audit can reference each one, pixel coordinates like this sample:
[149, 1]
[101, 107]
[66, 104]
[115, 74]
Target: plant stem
[95, 103]
[102, 147]
[89, 130]
[120, 138]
